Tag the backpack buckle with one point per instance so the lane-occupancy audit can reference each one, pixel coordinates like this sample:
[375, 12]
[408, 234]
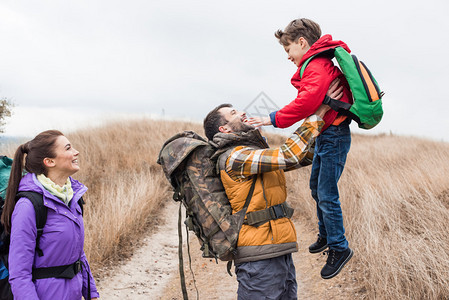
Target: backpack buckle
[277, 211]
[77, 266]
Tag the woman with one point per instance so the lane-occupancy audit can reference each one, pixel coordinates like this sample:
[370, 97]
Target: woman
[50, 160]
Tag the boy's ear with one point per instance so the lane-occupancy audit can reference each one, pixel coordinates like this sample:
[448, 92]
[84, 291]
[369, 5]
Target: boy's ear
[49, 162]
[303, 42]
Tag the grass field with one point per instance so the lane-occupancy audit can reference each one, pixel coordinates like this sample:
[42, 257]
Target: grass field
[394, 193]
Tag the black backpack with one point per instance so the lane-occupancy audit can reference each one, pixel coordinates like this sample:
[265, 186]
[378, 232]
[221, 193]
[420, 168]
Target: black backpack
[68, 271]
[41, 218]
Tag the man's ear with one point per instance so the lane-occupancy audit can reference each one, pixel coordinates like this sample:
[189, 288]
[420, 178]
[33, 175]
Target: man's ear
[224, 129]
[49, 162]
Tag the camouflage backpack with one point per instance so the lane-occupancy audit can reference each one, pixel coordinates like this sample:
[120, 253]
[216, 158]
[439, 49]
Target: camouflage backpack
[190, 164]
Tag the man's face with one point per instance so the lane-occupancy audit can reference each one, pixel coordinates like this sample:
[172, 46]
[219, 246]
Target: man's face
[236, 121]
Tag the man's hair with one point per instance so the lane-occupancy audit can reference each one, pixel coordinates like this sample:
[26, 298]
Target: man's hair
[305, 28]
[214, 120]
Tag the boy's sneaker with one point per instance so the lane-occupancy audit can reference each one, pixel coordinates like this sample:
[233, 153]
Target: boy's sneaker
[335, 262]
[319, 245]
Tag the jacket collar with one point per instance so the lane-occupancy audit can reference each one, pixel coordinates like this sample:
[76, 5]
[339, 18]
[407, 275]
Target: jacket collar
[323, 43]
[224, 141]
[29, 182]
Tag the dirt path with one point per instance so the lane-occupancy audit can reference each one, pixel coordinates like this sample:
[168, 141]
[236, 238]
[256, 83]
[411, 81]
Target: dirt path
[152, 272]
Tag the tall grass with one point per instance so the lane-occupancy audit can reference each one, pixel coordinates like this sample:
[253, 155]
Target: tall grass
[126, 186]
[394, 193]
[395, 199]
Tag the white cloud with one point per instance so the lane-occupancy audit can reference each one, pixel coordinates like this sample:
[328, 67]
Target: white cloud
[185, 57]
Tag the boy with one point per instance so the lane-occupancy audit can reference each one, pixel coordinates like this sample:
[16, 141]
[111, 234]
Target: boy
[301, 39]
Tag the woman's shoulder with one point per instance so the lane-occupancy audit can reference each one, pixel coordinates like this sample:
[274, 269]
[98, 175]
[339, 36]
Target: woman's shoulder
[23, 210]
[27, 180]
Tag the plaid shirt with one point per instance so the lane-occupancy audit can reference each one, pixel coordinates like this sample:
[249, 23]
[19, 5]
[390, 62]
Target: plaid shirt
[245, 161]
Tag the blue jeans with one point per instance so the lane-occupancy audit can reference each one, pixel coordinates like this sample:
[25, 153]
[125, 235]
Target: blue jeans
[272, 278]
[332, 147]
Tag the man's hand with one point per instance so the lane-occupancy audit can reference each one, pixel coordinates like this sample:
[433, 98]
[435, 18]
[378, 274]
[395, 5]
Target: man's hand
[260, 121]
[334, 91]
[322, 110]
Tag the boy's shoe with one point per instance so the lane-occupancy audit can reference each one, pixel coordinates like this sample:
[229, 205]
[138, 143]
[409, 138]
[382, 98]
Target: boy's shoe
[335, 262]
[319, 245]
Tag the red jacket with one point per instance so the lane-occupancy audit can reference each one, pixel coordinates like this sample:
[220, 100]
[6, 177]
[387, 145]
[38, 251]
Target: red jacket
[313, 86]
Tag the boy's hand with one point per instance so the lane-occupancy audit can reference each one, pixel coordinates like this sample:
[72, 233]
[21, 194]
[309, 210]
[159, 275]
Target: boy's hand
[334, 91]
[259, 121]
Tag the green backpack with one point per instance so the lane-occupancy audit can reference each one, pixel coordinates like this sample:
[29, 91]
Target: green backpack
[367, 107]
[5, 170]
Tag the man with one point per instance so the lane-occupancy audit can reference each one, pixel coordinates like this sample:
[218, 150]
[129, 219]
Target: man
[263, 262]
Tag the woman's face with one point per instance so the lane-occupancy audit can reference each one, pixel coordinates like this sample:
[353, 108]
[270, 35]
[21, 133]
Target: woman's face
[66, 160]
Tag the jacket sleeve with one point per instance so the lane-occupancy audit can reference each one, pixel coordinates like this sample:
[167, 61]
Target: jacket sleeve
[22, 250]
[313, 87]
[245, 161]
[87, 276]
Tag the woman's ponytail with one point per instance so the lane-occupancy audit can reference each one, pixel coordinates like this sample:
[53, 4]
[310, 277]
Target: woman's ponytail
[30, 156]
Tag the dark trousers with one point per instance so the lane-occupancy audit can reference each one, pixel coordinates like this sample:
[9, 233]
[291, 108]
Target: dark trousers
[332, 147]
[273, 278]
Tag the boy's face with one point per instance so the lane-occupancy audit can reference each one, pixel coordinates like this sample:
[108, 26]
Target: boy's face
[296, 50]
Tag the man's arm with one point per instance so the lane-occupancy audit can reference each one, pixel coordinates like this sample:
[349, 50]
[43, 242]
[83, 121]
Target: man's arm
[245, 161]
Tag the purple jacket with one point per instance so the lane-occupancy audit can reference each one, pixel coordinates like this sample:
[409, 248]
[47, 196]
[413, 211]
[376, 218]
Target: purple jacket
[61, 242]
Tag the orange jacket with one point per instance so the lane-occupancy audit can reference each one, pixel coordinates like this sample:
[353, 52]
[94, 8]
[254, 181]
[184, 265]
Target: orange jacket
[275, 237]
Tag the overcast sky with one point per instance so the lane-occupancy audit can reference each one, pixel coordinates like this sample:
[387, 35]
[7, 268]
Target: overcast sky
[70, 63]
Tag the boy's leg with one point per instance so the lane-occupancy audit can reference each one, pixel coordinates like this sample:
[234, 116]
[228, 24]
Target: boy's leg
[333, 148]
[273, 278]
[316, 164]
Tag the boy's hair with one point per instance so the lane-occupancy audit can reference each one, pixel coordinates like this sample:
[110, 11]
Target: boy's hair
[213, 121]
[305, 28]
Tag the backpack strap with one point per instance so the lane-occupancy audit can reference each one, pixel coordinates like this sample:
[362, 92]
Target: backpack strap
[328, 52]
[341, 107]
[67, 271]
[257, 218]
[41, 214]
[250, 193]
[304, 65]
[180, 256]
[221, 161]
[337, 105]
[245, 207]
[81, 204]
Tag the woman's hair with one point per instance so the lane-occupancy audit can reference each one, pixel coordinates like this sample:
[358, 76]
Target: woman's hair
[305, 28]
[33, 152]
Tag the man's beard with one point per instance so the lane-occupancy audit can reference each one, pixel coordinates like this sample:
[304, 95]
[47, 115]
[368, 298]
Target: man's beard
[241, 127]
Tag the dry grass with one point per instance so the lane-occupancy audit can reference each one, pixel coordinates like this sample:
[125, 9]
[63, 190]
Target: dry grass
[395, 200]
[394, 192]
[126, 186]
